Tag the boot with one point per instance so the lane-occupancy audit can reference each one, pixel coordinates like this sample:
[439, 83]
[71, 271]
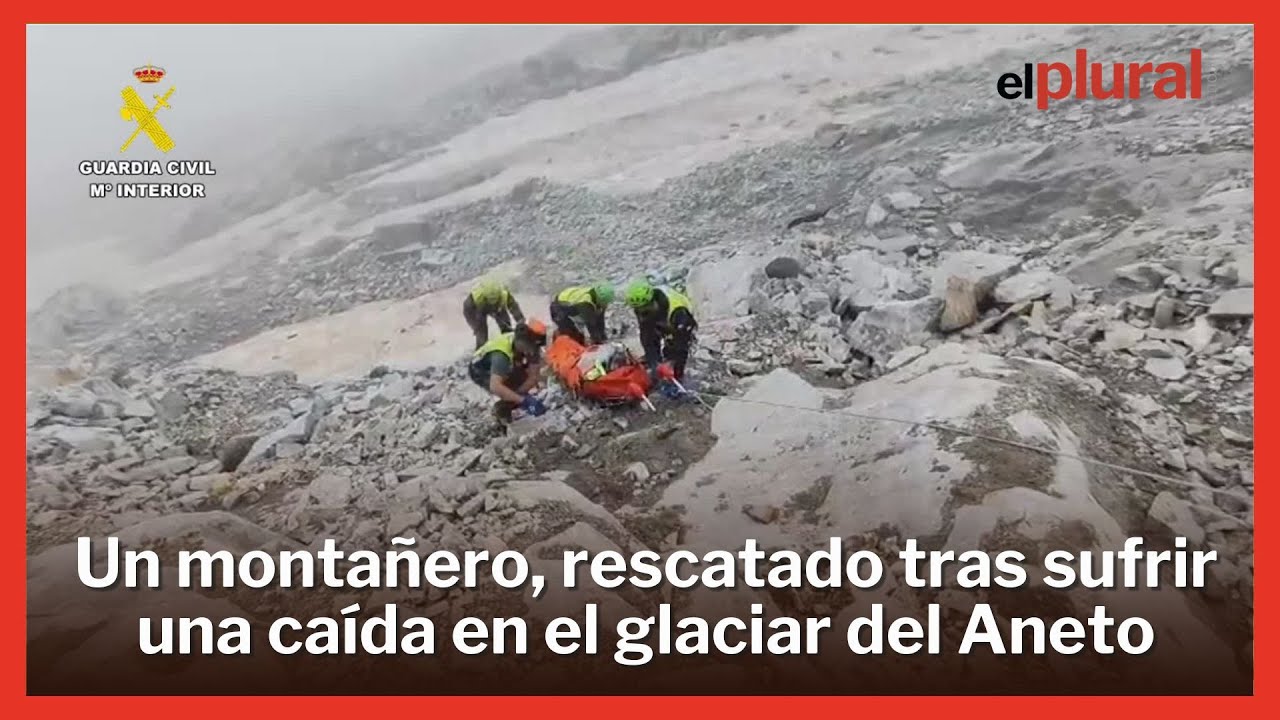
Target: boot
[502, 411]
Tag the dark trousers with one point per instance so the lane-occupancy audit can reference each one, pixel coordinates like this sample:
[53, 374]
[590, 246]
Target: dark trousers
[670, 343]
[478, 320]
[562, 316]
[502, 409]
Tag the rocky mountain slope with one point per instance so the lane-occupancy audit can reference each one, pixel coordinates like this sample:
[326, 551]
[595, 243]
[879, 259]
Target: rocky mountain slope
[873, 298]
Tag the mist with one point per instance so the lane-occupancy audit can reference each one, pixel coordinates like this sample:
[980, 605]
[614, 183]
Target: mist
[245, 95]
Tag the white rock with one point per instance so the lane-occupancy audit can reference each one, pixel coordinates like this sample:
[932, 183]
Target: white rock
[73, 402]
[1121, 335]
[875, 215]
[904, 356]
[1235, 303]
[82, 439]
[903, 200]
[889, 327]
[1031, 285]
[977, 267]
[636, 472]
[1166, 368]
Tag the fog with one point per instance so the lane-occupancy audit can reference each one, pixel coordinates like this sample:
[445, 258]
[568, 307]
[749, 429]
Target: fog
[244, 94]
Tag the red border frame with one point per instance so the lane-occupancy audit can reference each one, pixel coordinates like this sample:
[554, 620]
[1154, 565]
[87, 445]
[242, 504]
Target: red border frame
[12, 372]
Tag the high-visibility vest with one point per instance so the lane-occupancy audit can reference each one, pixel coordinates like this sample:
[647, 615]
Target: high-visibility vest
[504, 343]
[675, 301]
[576, 296]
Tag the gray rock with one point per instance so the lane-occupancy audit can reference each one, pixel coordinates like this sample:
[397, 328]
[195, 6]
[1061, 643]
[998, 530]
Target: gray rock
[1196, 460]
[1243, 264]
[1200, 335]
[904, 356]
[138, 408]
[869, 282]
[1143, 405]
[1143, 275]
[400, 522]
[726, 288]
[1235, 438]
[1031, 285]
[904, 243]
[1152, 349]
[743, 368]
[1237, 303]
[1122, 336]
[1166, 368]
[1162, 314]
[1235, 500]
[758, 302]
[172, 405]
[161, 469]
[73, 402]
[1173, 516]
[394, 389]
[83, 439]
[330, 490]
[783, 268]
[875, 215]
[1145, 301]
[814, 302]
[206, 483]
[885, 329]
[903, 200]
[298, 431]
[980, 268]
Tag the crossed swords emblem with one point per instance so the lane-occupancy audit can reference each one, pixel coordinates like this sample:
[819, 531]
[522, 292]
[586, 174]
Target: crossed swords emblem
[136, 110]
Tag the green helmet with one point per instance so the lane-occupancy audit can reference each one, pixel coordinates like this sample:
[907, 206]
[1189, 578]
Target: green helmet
[604, 293]
[488, 291]
[639, 293]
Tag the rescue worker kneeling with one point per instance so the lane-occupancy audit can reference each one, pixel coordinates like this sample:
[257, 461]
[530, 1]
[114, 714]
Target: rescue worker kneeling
[490, 299]
[508, 367]
[584, 303]
[666, 332]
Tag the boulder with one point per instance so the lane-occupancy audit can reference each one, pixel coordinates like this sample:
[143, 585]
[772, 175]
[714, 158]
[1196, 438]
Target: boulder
[1032, 285]
[1237, 303]
[851, 464]
[885, 329]
[73, 402]
[867, 282]
[82, 439]
[960, 306]
[298, 431]
[903, 200]
[723, 289]
[784, 268]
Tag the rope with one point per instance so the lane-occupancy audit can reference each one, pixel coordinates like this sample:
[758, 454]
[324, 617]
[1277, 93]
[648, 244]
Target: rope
[994, 439]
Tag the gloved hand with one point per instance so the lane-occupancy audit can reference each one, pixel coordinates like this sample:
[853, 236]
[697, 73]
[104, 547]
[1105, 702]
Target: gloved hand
[532, 405]
[666, 372]
[670, 390]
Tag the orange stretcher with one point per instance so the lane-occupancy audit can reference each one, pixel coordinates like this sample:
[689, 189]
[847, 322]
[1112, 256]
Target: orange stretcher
[607, 373]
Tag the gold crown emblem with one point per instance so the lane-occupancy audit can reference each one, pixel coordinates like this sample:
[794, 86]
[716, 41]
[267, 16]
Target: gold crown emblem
[148, 73]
